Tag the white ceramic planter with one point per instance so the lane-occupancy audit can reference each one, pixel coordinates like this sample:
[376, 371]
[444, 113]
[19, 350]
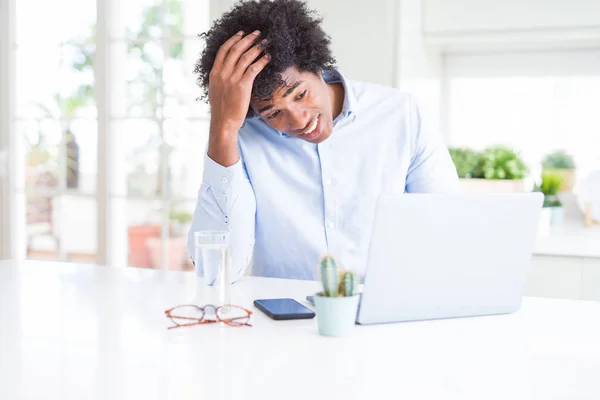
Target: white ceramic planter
[336, 316]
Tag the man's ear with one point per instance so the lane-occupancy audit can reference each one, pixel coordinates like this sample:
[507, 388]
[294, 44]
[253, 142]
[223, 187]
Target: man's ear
[321, 73]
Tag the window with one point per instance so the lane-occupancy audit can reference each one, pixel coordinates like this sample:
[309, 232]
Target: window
[155, 129]
[532, 102]
[56, 130]
[159, 130]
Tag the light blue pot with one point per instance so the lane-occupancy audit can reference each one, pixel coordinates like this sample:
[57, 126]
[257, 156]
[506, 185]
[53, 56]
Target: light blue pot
[557, 215]
[336, 316]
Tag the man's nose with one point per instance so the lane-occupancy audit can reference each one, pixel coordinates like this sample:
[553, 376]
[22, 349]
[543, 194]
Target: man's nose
[299, 120]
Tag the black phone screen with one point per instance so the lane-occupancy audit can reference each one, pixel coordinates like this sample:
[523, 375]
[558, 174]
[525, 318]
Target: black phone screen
[284, 309]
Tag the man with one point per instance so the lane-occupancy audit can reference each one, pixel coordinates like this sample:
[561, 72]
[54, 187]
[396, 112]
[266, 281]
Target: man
[298, 154]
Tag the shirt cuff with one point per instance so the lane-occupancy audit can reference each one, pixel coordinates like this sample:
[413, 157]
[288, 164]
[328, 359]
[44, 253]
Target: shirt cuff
[219, 177]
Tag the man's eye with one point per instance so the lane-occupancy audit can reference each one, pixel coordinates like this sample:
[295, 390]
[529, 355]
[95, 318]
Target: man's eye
[301, 95]
[274, 115]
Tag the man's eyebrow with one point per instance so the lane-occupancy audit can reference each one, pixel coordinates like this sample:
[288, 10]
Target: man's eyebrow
[290, 90]
[267, 108]
[287, 93]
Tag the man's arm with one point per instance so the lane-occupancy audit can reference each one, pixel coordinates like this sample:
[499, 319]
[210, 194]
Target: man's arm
[226, 202]
[431, 169]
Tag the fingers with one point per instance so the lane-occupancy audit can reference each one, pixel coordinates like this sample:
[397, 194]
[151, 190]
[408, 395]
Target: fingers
[248, 58]
[224, 49]
[235, 58]
[238, 49]
[254, 69]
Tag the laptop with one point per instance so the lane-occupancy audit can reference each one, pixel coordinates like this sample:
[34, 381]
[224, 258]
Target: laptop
[436, 256]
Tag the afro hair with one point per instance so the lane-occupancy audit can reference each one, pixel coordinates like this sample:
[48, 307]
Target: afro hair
[294, 34]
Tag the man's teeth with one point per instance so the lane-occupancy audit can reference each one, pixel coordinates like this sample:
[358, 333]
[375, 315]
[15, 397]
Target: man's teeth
[313, 127]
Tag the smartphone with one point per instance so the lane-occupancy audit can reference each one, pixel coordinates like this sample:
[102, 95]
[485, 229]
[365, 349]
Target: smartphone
[284, 309]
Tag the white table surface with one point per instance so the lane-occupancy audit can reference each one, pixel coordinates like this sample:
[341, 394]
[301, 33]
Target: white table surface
[70, 331]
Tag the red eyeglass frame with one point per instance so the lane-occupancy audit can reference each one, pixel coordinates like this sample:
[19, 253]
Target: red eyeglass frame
[202, 320]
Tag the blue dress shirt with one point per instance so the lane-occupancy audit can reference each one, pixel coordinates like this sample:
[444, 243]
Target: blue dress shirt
[287, 202]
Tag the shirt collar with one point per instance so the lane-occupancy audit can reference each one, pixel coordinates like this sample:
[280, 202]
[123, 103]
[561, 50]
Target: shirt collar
[349, 105]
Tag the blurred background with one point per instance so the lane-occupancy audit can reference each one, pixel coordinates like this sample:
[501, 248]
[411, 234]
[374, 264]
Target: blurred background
[102, 138]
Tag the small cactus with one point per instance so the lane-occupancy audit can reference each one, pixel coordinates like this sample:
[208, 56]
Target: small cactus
[349, 284]
[337, 281]
[329, 276]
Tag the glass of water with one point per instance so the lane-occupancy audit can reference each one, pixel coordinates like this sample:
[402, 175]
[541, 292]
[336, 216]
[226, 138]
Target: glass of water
[213, 267]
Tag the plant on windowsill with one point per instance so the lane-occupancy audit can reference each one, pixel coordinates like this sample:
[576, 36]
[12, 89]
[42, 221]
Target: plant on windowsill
[553, 211]
[464, 160]
[66, 107]
[337, 304]
[496, 169]
[180, 221]
[560, 162]
[177, 254]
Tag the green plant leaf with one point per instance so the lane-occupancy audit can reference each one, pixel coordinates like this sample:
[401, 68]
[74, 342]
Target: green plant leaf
[551, 181]
[180, 216]
[559, 159]
[500, 162]
[464, 160]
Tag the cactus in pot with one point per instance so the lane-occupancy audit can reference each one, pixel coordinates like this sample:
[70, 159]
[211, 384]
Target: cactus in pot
[337, 282]
[337, 303]
[349, 284]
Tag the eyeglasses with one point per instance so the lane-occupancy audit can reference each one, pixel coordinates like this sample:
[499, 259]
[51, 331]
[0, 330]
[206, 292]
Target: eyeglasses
[190, 315]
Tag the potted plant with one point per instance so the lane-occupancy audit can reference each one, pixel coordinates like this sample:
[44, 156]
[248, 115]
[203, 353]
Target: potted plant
[176, 242]
[559, 161]
[337, 304]
[550, 186]
[464, 160]
[498, 169]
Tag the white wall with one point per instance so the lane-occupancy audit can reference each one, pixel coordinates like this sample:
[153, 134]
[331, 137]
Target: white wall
[363, 35]
[450, 16]
[419, 68]
[583, 62]
[488, 25]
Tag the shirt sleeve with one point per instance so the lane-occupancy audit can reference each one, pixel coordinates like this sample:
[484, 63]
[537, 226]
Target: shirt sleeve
[431, 169]
[226, 202]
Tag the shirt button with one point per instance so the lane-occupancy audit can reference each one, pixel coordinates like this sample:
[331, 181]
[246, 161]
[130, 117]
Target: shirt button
[330, 225]
[328, 182]
[223, 180]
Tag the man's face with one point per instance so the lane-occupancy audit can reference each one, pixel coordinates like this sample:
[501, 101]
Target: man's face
[302, 108]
